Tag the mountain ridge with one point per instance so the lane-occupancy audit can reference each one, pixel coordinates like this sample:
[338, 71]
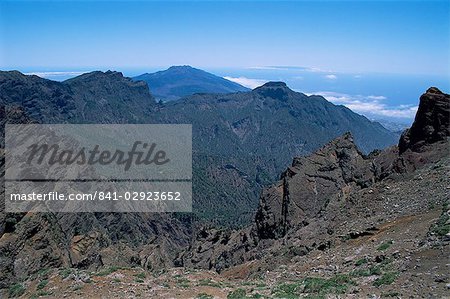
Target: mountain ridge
[320, 203]
[337, 209]
[244, 139]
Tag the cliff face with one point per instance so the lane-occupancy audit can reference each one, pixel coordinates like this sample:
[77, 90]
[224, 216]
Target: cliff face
[432, 122]
[310, 184]
[109, 97]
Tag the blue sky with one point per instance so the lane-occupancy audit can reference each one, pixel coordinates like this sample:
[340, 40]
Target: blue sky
[375, 57]
[384, 36]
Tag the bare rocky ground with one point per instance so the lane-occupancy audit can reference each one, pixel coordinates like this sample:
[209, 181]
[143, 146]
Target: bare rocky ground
[403, 255]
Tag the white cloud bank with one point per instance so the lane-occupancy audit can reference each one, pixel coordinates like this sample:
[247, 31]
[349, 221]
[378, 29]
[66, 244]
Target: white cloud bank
[269, 68]
[331, 77]
[368, 105]
[291, 68]
[247, 82]
[54, 74]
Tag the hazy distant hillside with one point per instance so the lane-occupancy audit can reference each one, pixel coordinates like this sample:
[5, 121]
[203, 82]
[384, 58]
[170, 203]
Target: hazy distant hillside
[393, 125]
[272, 117]
[181, 81]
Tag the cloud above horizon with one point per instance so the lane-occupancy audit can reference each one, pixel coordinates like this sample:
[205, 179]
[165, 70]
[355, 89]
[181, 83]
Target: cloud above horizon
[291, 68]
[247, 82]
[331, 77]
[54, 74]
[371, 105]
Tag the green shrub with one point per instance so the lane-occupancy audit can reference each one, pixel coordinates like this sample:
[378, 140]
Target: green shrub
[16, 290]
[64, 273]
[204, 296]
[374, 270]
[361, 262]
[43, 272]
[183, 282]
[237, 294]
[108, 271]
[42, 293]
[337, 284]
[441, 228]
[210, 283]
[287, 290]
[385, 279]
[385, 245]
[42, 284]
[140, 275]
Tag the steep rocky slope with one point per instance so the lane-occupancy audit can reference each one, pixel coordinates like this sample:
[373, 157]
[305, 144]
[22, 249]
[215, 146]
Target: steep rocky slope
[328, 205]
[250, 137]
[30, 242]
[97, 97]
[338, 223]
[347, 195]
[241, 141]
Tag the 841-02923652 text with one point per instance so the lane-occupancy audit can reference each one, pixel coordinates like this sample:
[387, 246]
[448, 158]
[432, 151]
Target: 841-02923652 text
[99, 195]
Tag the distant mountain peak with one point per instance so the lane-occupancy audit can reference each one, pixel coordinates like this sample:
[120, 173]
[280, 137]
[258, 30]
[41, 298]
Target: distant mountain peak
[274, 90]
[97, 78]
[274, 84]
[181, 67]
[98, 75]
[184, 80]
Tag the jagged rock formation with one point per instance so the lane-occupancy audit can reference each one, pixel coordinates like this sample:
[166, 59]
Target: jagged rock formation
[35, 241]
[431, 126]
[432, 122]
[310, 184]
[331, 195]
[339, 169]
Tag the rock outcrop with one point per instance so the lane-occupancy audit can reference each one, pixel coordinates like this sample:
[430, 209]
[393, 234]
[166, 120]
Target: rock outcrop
[310, 184]
[432, 122]
[334, 194]
[339, 169]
